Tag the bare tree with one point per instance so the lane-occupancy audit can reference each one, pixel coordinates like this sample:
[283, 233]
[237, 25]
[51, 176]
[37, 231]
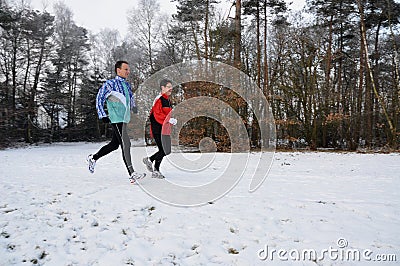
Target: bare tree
[143, 27]
[105, 43]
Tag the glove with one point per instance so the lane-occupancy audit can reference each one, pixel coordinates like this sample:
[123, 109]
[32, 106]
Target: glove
[106, 120]
[173, 121]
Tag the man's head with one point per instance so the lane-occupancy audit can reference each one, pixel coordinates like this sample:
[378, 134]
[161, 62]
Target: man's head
[166, 86]
[122, 69]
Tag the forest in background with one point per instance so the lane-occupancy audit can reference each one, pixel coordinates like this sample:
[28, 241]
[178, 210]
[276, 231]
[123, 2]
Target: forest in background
[330, 72]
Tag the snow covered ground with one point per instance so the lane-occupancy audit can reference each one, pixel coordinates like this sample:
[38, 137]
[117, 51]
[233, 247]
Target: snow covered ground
[313, 209]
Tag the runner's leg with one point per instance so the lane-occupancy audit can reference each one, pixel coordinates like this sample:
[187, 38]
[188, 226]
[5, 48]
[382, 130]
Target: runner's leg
[112, 146]
[158, 156]
[125, 143]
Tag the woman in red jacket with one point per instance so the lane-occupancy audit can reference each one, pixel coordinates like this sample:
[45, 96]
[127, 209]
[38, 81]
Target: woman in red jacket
[160, 128]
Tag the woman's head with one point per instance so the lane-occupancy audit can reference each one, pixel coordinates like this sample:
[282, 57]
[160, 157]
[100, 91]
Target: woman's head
[166, 86]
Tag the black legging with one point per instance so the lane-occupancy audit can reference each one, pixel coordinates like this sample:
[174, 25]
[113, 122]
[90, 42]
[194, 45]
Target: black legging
[164, 148]
[119, 138]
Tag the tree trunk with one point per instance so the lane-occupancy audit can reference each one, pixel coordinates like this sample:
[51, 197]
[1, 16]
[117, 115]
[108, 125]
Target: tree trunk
[237, 62]
[357, 125]
[392, 132]
[327, 88]
[266, 78]
[396, 92]
[258, 46]
[196, 42]
[149, 47]
[14, 80]
[206, 30]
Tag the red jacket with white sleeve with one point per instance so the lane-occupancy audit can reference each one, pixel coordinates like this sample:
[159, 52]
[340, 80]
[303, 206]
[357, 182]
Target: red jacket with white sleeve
[159, 115]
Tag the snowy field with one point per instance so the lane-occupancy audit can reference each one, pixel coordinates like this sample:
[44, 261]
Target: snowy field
[313, 209]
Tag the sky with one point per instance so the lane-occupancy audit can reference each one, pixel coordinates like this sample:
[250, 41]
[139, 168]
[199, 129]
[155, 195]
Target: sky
[99, 14]
[338, 205]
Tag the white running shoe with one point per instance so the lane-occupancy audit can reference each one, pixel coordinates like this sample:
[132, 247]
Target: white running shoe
[136, 176]
[91, 163]
[148, 163]
[157, 174]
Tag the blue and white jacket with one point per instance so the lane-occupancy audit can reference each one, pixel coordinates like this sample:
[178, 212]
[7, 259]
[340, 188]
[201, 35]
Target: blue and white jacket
[118, 94]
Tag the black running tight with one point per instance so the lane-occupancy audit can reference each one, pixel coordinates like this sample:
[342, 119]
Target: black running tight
[164, 148]
[119, 138]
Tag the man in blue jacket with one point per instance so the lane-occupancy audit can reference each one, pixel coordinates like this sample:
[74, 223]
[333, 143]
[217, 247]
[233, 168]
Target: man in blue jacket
[117, 93]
